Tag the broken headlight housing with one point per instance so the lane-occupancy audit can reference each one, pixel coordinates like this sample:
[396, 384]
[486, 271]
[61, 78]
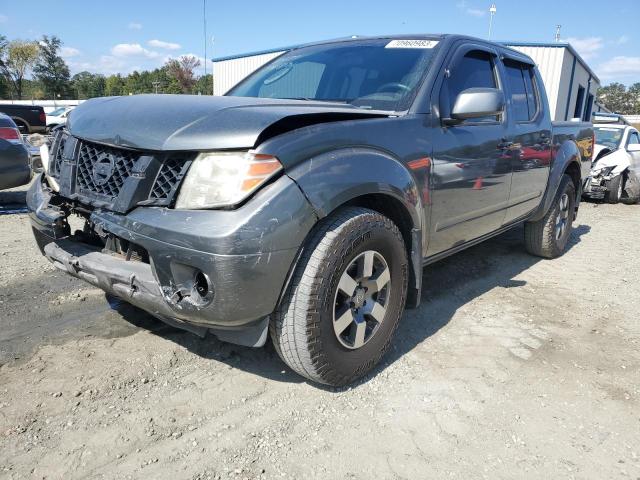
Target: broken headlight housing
[223, 179]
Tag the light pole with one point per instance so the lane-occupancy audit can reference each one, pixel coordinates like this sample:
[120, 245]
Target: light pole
[492, 12]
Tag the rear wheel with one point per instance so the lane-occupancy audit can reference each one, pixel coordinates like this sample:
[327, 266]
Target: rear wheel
[344, 303]
[548, 236]
[615, 189]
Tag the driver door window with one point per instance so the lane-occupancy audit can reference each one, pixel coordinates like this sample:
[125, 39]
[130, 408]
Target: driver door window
[475, 69]
[634, 139]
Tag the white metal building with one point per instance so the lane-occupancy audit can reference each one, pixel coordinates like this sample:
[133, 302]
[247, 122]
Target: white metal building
[571, 85]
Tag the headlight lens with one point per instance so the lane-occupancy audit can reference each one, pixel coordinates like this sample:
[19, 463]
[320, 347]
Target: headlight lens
[217, 179]
[605, 171]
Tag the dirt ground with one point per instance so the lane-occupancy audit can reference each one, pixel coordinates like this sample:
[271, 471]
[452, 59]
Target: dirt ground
[513, 367]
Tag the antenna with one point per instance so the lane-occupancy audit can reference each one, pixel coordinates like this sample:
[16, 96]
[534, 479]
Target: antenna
[558, 28]
[204, 26]
[492, 12]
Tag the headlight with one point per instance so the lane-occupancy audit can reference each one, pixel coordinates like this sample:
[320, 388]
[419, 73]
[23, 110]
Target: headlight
[605, 171]
[217, 179]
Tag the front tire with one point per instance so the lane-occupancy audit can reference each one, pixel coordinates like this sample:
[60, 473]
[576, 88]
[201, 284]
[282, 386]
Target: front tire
[548, 236]
[615, 189]
[345, 299]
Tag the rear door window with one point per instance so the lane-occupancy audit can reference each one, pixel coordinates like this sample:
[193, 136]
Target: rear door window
[522, 90]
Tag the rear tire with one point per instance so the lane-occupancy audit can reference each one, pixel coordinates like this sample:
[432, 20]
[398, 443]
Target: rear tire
[615, 189]
[548, 236]
[343, 305]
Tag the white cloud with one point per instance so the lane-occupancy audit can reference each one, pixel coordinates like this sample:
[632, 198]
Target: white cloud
[3, 18]
[621, 66]
[135, 26]
[161, 44]
[68, 52]
[475, 12]
[132, 50]
[587, 47]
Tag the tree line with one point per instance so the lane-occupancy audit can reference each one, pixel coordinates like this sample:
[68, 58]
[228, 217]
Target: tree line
[620, 99]
[36, 70]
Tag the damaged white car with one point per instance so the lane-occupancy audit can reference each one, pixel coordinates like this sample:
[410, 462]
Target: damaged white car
[615, 171]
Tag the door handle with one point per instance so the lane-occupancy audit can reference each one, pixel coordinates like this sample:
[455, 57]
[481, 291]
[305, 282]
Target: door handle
[505, 144]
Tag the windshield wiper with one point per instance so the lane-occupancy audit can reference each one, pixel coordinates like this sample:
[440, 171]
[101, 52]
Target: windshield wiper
[323, 100]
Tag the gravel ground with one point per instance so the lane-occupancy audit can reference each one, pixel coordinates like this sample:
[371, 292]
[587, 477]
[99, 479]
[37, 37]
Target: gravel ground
[513, 367]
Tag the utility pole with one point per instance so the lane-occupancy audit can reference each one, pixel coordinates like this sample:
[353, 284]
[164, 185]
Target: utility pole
[492, 12]
[558, 27]
[213, 43]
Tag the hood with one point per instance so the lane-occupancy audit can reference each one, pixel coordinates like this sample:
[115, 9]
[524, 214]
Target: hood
[619, 159]
[190, 122]
[597, 149]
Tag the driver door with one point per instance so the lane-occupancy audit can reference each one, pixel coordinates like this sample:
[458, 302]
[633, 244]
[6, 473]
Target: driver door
[471, 162]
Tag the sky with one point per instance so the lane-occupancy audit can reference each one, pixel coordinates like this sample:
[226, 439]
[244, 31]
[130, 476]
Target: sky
[118, 36]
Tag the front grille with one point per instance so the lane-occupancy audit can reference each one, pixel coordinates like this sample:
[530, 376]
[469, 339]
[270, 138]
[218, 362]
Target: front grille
[169, 177]
[115, 178]
[57, 149]
[102, 170]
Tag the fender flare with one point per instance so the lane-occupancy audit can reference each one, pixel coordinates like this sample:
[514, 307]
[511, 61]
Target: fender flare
[335, 178]
[568, 154]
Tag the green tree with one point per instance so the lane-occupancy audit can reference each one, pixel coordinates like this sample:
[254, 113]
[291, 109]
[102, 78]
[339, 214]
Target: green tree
[16, 59]
[634, 93]
[88, 85]
[616, 98]
[114, 85]
[204, 85]
[51, 70]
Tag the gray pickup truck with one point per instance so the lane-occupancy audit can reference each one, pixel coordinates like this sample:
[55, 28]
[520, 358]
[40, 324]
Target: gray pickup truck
[304, 204]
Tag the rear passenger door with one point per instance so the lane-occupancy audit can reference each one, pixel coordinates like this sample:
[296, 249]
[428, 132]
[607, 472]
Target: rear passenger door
[470, 175]
[529, 145]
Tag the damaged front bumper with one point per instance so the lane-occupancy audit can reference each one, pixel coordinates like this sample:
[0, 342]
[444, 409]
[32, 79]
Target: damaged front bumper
[218, 271]
[595, 187]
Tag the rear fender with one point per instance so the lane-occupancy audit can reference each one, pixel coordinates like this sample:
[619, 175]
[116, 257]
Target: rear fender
[567, 155]
[332, 179]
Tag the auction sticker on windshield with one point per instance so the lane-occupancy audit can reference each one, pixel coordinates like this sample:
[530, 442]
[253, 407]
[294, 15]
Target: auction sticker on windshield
[411, 44]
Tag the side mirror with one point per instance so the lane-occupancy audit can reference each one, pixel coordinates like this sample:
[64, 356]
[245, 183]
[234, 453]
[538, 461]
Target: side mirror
[477, 103]
[633, 148]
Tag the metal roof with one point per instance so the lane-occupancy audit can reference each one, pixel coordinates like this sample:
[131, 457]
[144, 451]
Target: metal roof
[556, 45]
[359, 37]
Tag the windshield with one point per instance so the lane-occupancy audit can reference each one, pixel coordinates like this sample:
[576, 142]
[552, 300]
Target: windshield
[58, 111]
[377, 74]
[609, 137]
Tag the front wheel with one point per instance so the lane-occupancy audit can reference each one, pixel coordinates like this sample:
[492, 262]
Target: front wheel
[615, 189]
[548, 236]
[345, 299]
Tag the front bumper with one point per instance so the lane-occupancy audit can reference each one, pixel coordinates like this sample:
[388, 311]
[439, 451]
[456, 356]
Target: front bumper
[245, 255]
[596, 187]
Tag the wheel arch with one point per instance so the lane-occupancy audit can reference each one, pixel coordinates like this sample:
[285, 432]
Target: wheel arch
[20, 120]
[370, 179]
[567, 161]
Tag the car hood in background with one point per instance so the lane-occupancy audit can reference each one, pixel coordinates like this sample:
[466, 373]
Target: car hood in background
[190, 122]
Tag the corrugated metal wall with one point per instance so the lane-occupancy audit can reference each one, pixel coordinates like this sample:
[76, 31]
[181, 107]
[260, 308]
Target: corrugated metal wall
[227, 73]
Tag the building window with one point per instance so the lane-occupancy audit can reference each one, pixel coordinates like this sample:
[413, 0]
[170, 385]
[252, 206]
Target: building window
[589, 108]
[579, 103]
